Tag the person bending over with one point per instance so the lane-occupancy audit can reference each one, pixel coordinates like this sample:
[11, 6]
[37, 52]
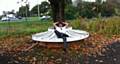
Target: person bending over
[60, 30]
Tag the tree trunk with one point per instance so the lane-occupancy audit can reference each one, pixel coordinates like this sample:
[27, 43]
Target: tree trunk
[58, 10]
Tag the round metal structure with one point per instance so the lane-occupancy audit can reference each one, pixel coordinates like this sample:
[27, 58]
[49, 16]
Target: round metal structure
[50, 36]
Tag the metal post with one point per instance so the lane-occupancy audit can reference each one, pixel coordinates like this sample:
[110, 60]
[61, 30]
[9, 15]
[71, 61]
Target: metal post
[38, 10]
[26, 3]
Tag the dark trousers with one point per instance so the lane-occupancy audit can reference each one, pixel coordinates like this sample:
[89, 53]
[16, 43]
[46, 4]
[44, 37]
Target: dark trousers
[63, 36]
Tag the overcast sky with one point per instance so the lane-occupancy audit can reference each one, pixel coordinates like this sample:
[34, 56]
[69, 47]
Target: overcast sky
[8, 5]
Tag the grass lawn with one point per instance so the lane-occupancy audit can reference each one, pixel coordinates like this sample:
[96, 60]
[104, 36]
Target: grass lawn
[108, 26]
[23, 27]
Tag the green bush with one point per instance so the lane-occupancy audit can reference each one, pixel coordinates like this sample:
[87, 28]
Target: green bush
[109, 26]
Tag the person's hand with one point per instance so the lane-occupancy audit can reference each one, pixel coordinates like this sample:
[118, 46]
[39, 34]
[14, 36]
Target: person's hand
[66, 24]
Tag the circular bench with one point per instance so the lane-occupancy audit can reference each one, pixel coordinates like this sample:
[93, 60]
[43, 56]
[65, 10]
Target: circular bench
[50, 36]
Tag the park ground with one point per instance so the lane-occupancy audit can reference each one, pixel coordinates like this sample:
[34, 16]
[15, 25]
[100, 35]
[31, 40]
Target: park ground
[102, 47]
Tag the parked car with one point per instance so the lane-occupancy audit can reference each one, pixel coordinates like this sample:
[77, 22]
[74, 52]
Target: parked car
[5, 19]
[45, 17]
[19, 17]
[12, 19]
[9, 18]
